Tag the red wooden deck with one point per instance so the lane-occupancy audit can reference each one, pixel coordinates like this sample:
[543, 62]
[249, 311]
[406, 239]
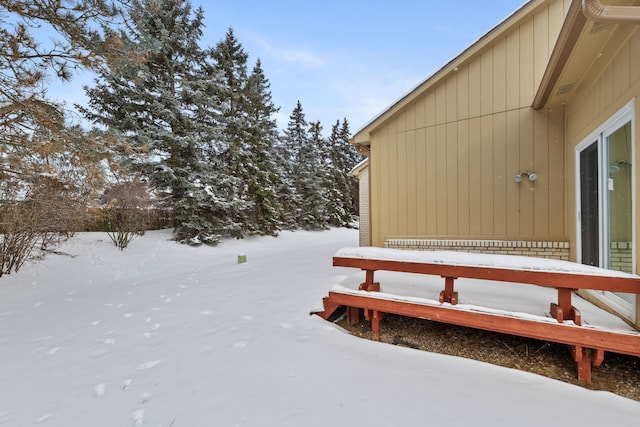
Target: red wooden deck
[587, 343]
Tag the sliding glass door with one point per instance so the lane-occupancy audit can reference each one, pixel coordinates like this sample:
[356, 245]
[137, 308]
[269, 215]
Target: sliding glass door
[605, 202]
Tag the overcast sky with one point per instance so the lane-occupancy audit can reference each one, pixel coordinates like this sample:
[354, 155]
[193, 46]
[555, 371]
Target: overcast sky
[346, 58]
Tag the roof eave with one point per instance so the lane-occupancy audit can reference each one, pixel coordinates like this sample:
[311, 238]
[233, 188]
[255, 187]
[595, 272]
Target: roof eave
[569, 33]
[361, 137]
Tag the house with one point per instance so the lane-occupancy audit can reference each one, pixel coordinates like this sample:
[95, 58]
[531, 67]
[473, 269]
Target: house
[360, 173]
[525, 143]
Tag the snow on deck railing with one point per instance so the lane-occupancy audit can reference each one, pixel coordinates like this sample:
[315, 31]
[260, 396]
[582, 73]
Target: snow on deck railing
[510, 262]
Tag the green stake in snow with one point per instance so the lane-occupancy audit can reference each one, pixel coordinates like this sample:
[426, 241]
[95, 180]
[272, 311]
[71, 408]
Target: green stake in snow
[242, 259]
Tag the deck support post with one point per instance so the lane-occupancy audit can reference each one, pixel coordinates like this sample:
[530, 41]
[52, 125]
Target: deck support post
[582, 357]
[369, 285]
[448, 294]
[563, 310]
[353, 315]
[375, 324]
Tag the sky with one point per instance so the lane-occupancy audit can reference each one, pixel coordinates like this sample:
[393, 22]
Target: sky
[163, 334]
[344, 59]
[350, 58]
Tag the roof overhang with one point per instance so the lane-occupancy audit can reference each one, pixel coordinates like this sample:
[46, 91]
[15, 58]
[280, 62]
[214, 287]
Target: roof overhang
[359, 168]
[589, 27]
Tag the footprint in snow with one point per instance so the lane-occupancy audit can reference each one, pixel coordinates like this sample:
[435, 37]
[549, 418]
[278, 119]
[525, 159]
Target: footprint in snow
[241, 344]
[128, 315]
[109, 341]
[126, 384]
[137, 417]
[99, 389]
[144, 398]
[53, 350]
[147, 365]
[43, 418]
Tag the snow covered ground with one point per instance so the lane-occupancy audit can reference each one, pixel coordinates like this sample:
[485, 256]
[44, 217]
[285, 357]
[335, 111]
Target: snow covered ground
[167, 335]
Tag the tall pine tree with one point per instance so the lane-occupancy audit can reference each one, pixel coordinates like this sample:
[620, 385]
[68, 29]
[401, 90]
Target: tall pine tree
[299, 153]
[341, 156]
[166, 105]
[262, 178]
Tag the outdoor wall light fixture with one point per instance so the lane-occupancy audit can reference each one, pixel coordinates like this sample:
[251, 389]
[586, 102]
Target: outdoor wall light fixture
[531, 175]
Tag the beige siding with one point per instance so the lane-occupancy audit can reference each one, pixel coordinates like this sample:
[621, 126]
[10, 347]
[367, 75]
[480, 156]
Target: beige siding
[610, 88]
[444, 164]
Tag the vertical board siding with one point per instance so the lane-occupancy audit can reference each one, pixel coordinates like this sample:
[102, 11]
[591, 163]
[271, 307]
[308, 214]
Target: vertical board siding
[540, 45]
[527, 84]
[634, 58]
[500, 174]
[411, 172]
[393, 196]
[500, 76]
[464, 163]
[526, 188]
[452, 98]
[402, 192]
[512, 168]
[421, 182]
[540, 187]
[431, 183]
[475, 185]
[462, 102]
[556, 163]
[446, 161]
[486, 83]
[487, 204]
[513, 70]
[451, 184]
[441, 180]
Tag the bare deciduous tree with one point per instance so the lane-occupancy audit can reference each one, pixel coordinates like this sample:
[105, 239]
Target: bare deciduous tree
[125, 211]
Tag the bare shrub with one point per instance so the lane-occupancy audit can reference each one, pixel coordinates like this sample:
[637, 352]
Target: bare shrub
[125, 211]
[37, 216]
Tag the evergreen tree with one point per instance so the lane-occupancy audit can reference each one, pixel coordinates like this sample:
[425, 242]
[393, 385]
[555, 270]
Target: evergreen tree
[342, 204]
[310, 184]
[262, 178]
[351, 158]
[300, 154]
[286, 156]
[166, 104]
[335, 178]
[229, 60]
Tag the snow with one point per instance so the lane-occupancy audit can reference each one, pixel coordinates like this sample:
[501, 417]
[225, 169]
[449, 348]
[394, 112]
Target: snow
[162, 334]
[512, 262]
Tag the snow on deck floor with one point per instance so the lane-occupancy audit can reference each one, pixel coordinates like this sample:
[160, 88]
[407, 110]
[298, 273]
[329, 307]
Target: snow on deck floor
[510, 299]
[166, 335]
[499, 261]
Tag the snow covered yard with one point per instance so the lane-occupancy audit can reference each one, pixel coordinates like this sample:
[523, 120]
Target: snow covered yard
[167, 335]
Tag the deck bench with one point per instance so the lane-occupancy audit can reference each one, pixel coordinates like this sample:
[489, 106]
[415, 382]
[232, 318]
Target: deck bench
[587, 343]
